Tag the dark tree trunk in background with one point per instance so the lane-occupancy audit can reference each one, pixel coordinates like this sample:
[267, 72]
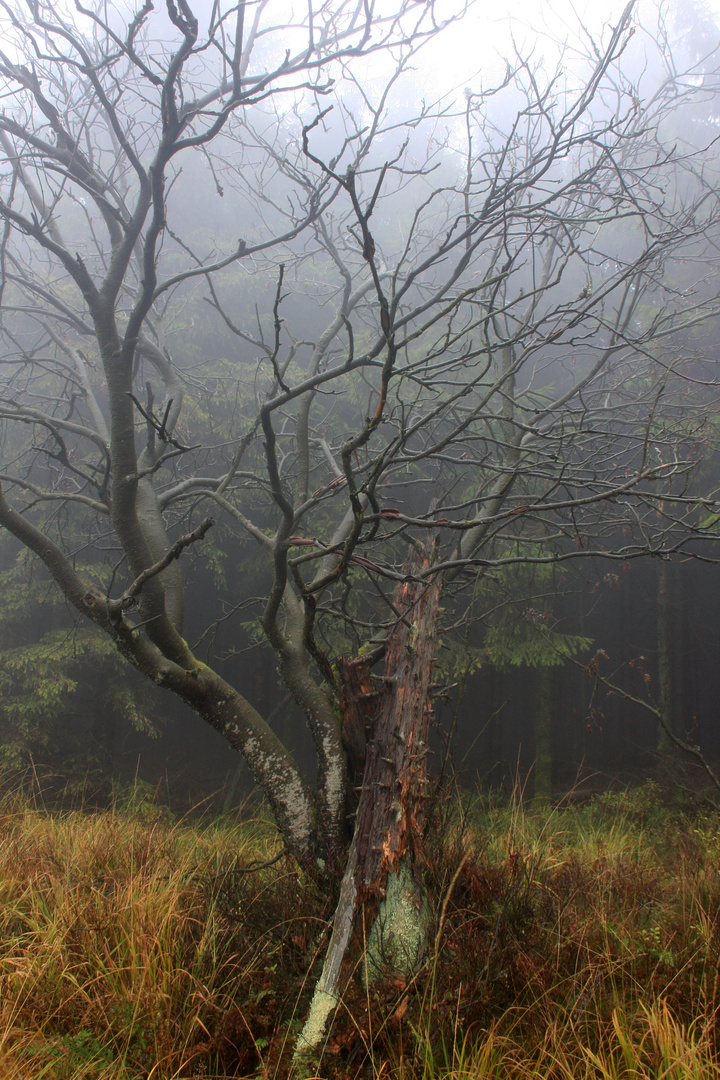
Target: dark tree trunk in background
[385, 860]
[665, 745]
[544, 704]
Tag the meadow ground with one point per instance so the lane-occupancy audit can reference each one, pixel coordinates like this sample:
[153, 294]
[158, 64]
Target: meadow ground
[577, 943]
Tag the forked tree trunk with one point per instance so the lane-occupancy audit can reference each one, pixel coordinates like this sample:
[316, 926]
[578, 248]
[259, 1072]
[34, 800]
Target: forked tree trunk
[385, 859]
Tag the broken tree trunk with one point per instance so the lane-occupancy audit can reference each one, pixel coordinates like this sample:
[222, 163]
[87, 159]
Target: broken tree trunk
[358, 706]
[385, 857]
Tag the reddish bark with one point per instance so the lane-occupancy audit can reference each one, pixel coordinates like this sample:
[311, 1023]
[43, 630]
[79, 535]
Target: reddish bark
[390, 816]
[391, 811]
[358, 703]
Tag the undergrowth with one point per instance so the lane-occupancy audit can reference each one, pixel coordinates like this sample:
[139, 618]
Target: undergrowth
[567, 943]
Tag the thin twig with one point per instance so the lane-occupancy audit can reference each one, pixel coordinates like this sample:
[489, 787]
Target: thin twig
[128, 597]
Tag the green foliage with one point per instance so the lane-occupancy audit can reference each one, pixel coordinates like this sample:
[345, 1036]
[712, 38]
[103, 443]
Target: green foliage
[710, 521]
[39, 684]
[519, 626]
[519, 643]
[57, 686]
[512, 644]
[72, 1055]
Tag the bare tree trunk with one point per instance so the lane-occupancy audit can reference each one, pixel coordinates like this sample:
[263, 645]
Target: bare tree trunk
[358, 706]
[665, 724]
[542, 791]
[386, 852]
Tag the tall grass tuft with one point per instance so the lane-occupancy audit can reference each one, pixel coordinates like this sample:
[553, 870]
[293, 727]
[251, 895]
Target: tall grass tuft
[118, 957]
[579, 942]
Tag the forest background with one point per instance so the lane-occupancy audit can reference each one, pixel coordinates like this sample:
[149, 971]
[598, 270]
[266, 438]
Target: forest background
[451, 396]
[518, 695]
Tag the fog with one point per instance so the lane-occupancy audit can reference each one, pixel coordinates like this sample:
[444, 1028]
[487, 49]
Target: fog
[285, 301]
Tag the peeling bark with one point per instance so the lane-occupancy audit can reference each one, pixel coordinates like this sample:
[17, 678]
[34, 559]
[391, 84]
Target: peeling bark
[386, 852]
[358, 705]
[398, 937]
[390, 817]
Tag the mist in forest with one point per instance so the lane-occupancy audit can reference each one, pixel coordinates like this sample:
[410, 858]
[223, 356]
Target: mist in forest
[359, 521]
[479, 289]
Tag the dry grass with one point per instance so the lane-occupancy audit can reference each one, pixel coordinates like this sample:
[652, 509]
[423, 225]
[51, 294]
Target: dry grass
[115, 960]
[580, 943]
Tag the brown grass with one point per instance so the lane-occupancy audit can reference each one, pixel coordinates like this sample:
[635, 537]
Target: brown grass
[580, 943]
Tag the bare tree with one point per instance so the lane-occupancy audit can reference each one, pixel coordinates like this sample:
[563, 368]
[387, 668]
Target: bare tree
[508, 370]
[99, 116]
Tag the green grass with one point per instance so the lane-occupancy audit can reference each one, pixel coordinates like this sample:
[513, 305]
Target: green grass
[568, 943]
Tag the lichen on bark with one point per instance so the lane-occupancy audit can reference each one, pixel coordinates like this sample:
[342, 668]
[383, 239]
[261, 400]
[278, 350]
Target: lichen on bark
[399, 935]
[385, 862]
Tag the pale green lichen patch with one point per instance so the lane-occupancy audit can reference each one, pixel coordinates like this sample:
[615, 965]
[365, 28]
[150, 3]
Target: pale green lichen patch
[399, 935]
[322, 1005]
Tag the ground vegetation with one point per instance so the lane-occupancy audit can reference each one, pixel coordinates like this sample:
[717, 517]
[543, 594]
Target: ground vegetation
[580, 941]
[464, 330]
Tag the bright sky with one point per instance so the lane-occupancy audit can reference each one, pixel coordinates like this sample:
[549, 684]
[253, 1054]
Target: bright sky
[470, 52]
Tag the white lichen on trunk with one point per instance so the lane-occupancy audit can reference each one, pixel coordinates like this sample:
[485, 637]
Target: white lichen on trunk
[385, 855]
[322, 1005]
[398, 938]
[325, 997]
